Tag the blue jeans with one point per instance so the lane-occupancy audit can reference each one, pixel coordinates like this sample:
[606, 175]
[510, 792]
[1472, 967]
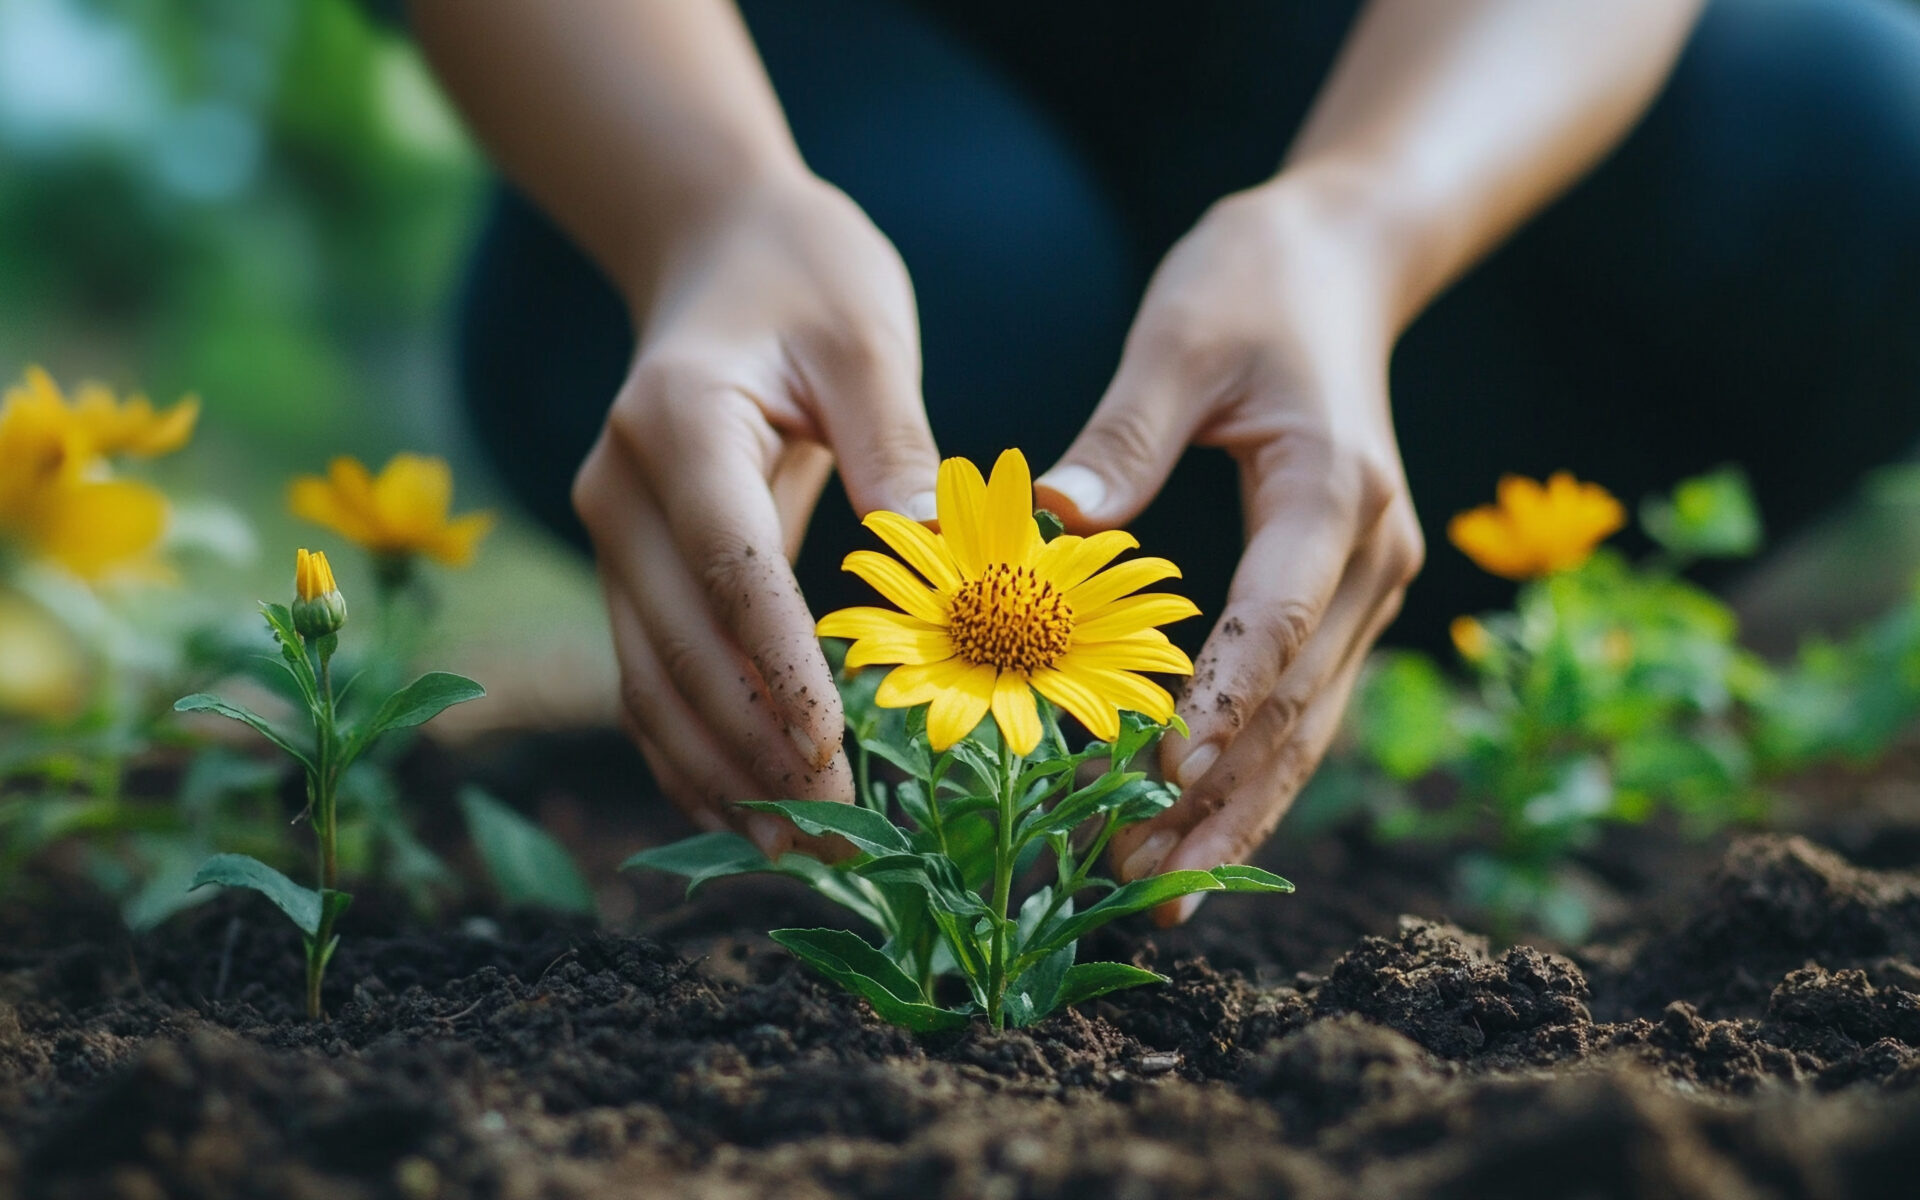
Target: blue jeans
[1740, 282]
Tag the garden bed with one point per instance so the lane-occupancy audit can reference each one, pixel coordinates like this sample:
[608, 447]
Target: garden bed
[1747, 1024]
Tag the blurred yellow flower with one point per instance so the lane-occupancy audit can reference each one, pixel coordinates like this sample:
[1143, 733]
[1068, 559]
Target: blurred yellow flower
[55, 504]
[1470, 638]
[42, 671]
[110, 426]
[1536, 530]
[1001, 612]
[403, 510]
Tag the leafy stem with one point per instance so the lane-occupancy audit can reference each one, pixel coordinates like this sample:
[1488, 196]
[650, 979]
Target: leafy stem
[1002, 884]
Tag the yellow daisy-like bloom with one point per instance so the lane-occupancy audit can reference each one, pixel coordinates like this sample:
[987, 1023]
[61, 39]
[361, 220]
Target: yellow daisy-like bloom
[995, 614]
[403, 510]
[1537, 529]
[109, 426]
[52, 500]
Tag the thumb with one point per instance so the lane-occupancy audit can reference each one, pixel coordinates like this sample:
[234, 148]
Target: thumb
[1123, 456]
[882, 444]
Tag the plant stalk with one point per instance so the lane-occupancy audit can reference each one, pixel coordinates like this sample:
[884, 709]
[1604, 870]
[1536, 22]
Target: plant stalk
[1002, 888]
[325, 827]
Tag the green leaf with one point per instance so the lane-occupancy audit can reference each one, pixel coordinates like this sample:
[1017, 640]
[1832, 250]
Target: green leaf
[293, 651]
[862, 826]
[1087, 980]
[1137, 896]
[202, 702]
[853, 964]
[911, 758]
[697, 855]
[1067, 815]
[933, 873]
[1034, 992]
[416, 704]
[241, 871]
[1708, 516]
[1237, 878]
[525, 862]
[1404, 715]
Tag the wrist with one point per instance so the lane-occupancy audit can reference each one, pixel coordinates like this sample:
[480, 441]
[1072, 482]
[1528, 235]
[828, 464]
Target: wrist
[729, 186]
[1387, 260]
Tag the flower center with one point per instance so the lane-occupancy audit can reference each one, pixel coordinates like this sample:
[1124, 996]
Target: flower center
[1010, 618]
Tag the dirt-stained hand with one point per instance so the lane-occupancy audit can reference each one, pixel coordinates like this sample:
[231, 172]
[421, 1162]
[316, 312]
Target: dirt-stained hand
[1263, 333]
[782, 340]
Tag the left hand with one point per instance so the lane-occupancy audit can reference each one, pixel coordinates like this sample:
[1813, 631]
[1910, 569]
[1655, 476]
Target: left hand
[1265, 332]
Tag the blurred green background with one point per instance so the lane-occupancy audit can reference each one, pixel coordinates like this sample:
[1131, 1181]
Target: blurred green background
[267, 203]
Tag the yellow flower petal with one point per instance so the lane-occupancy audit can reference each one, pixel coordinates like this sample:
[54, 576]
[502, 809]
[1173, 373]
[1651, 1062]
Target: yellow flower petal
[1124, 579]
[923, 549]
[960, 496]
[958, 708]
[919, 683]
[1071, 693]
[1536, 530]
[456, 543]
[1124, 689]
[1015, 712]
[897, 584]
[1008, 531]
[412, 495]
[864, 621]
[1067, 561]
[1131, 615]
[93, 528]
[900, 646]
[1135, 653]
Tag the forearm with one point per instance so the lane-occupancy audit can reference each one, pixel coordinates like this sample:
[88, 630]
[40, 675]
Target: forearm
[628, 121]
[1446, 124]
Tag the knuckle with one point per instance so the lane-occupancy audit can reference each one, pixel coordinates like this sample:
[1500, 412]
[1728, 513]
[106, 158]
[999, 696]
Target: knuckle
[1404, 547]
[1126, 439]
[1286, 627]
[589, 492]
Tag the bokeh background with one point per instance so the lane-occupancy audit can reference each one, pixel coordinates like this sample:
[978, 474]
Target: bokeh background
[268, 203]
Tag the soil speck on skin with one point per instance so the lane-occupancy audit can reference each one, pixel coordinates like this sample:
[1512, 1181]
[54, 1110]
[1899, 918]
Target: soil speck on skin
[1759, 1026]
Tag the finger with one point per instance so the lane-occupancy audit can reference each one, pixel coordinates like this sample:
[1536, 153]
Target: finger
[1305, 524]
[1255, 785]
[1122, 457]
[1352, 621]
[866, 398]
[707, 452]
[712, 676]
[693, 771]
[799, 474]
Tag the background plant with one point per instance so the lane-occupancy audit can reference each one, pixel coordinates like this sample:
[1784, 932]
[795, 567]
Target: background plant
[308, 636]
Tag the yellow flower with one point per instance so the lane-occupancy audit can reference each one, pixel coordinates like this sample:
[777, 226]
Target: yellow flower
[995, 611]
[402, 511]
[1537, 530]
[109, 426]
[318, 607]
[52, 501]
[1470, 638]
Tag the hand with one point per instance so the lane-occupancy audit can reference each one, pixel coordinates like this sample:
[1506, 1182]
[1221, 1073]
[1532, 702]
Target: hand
[1264, 332]
[779, 337]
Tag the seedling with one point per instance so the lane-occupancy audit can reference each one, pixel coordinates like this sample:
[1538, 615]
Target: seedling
[308, 634]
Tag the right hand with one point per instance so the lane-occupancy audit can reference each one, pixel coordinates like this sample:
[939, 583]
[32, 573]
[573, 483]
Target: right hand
[778, 339]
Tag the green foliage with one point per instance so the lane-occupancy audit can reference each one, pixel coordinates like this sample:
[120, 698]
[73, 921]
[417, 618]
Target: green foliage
[331, 750]
[1611, 692]
[936, 884]
[525, 862]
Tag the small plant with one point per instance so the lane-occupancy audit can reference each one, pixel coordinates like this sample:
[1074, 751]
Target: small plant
[995, 614]
[308, 635]
[1610, 691]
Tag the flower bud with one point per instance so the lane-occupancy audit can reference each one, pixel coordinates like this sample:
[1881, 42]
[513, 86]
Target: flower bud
[318, 607]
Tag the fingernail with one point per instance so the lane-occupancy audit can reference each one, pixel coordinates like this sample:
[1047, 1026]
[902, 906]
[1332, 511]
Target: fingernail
[1195, 765]
[808, 748]
[767, 832]
[1082, 488]
[1147, 855]
[922, 507]
[1184, 908]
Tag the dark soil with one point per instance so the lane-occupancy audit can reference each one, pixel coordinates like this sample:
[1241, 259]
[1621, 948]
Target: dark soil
[1749, 1027]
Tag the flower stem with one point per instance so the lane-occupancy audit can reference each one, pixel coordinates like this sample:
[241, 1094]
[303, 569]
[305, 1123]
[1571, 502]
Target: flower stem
[326, 829]
[1002, 888]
